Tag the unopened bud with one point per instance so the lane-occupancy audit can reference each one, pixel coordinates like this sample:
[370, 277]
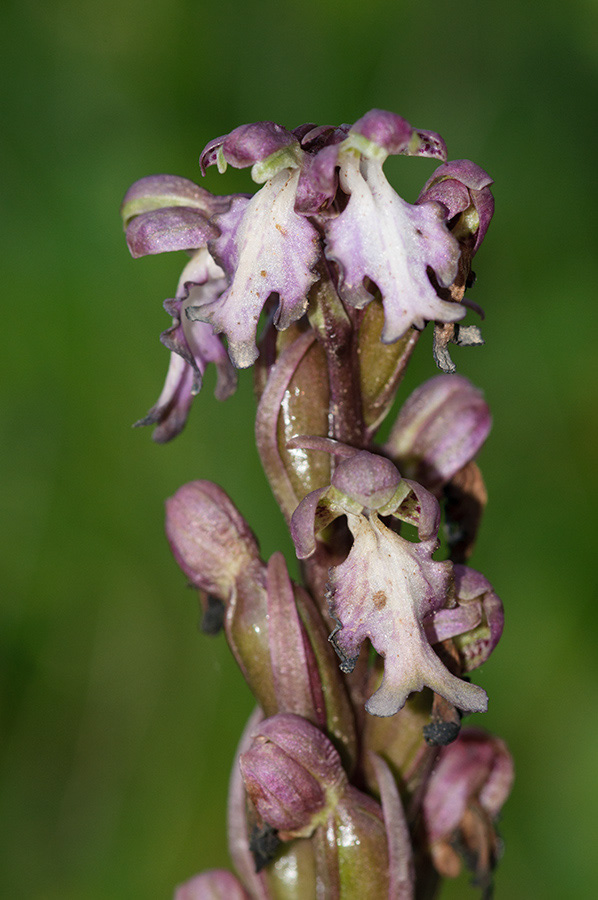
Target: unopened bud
[440, 428]
[292, 774]
[209, 538]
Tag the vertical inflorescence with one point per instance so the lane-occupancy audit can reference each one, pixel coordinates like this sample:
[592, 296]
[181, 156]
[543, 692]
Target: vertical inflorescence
[354, 778]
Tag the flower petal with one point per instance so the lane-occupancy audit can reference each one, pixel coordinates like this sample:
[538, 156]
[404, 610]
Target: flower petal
[391, 134]
[173, 228]
[246, 145]
[383, 591]
[160, 191]
[462, 187]
[171, 409]
[381, 237]
[271, 250]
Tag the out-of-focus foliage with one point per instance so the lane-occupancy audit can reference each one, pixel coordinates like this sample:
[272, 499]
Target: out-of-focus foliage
[118, 718]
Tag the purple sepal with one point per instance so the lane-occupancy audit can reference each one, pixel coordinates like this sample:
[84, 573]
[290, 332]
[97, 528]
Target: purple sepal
[401, 869]
[265, 248]
[440, 428]
[395, 135]
[368, 479]
[318, 181]
[170, 411]
[161, 191]
[214, 884]
[448, 623]
[380, 237]
[459, 185]
[305, 522]
[173, 228]
[326, 445]
[383, 591]
[247, 144]
[421, 509]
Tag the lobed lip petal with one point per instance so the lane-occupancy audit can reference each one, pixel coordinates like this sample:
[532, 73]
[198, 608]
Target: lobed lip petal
[267, 249]
[380, 237]
[383, 591]
[173, 228]
[193, 345]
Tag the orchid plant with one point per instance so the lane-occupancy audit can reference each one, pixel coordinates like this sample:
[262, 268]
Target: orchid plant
[353, 777]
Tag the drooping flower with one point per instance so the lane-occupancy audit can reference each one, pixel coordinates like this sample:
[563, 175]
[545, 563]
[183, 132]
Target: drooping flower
[163, 213]
[387, 585]
[324, 206]
[382, 239]
[371, 234]
[466, 791]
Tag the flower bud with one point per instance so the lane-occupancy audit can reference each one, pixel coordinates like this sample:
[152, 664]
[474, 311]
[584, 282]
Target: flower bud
[294, 778]
[440, 428]
[292, 774]
[209, 538]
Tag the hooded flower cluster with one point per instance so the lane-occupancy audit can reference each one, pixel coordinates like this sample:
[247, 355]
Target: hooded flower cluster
[325, 206]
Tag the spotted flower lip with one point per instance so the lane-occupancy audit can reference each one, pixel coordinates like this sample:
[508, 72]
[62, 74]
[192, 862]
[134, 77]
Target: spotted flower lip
[324, 205]
[387, 586]
[265, 248]
[381, 238]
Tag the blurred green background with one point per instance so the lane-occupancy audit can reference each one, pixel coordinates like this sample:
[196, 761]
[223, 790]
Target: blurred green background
[119, 719]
